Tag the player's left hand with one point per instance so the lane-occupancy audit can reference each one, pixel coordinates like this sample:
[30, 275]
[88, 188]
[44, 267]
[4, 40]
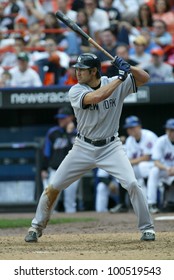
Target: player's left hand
[121, 64]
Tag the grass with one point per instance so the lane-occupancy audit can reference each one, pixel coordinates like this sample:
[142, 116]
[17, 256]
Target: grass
[18, 223]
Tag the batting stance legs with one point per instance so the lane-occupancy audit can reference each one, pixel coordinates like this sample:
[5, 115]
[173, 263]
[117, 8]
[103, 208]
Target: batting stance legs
[110, 157]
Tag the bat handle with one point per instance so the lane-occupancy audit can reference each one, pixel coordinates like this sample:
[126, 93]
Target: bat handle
[90, 40]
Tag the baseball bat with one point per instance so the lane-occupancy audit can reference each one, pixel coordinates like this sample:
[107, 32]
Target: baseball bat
[71, 24]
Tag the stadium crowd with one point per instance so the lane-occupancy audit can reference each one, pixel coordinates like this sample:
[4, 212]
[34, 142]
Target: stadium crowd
[29, 29]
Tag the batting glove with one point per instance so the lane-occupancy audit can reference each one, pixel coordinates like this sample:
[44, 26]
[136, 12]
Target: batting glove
[123, 66]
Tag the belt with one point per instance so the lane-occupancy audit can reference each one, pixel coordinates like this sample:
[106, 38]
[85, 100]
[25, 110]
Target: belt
[98, 143]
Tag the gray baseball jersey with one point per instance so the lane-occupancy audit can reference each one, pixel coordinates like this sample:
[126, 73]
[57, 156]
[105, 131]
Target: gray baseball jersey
[99, 121]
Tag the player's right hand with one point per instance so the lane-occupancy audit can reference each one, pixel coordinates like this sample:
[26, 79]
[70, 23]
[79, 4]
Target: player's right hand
[123, 66]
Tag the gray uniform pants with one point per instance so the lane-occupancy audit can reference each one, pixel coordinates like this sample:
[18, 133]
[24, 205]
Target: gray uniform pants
[84, 157]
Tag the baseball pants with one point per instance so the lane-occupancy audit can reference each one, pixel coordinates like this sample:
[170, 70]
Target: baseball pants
[84, 157]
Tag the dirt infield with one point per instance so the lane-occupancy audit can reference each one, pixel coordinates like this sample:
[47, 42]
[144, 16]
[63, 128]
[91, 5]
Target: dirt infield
[108, 237]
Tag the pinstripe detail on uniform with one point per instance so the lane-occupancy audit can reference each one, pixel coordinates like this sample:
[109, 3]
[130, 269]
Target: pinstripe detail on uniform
[133, 83]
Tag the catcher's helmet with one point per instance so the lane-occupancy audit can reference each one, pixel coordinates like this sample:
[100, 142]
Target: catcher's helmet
[87, 60]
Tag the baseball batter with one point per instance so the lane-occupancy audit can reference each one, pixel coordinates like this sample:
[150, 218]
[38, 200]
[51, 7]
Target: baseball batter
[97, 102]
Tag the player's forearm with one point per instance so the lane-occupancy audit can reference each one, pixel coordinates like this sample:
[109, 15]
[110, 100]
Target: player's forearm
[102, 93]
[139, 159]
[141, 77]
[160, 165]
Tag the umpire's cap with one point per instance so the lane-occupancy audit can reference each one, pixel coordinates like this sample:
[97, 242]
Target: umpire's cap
[87, 60]
[169, 124]
[132, 121]
[63, 113]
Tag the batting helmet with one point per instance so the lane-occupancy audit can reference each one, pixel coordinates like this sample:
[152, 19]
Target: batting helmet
[87, 60]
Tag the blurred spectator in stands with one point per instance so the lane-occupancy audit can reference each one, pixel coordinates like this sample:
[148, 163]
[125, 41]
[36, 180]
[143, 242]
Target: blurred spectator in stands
[14, 8]
[69, 78]
[89, 27]
[5, 79]
[34, 11]
[74, 42]
[144, 17]
[163, 11]
[20, 26]
[160, 34]
[52, 62]
[23, 75]
[64, 8]
[150, 42]
[122, 50]
[58, 142]
[9, 58]
[51, 24]
[6, 22]
[158, 70]
[113, 13]
[128, 8]
[108, 42]
[77, 5]
[139, 54]
[36, 36]
[96, 14]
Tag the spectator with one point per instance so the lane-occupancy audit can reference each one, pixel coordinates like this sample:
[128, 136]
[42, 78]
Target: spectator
[138, 52]
[36, 36]
[74, 41]
[160, 34]
[108, 42]
[20, 26]
[64, 8]
[51, 61]
[51, 23]
[34, 11]
[158, 70]
[144, 17]
[15, 7]
[122, 50]
[5, 79]
[6, 22]
[146, 33]
[163, 156]
[23, 75]
[163, 12]
[58, 142]
[96, 15]
[89, 28]
[113, 13]
[128, 8]
[77, 5]
[9, 58]
[138, 146]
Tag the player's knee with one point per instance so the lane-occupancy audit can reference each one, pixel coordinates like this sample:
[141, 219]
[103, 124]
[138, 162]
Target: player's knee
[132, 187]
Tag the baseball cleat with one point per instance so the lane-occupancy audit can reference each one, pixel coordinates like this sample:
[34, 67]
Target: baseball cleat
[148, 235]
[33, 235]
